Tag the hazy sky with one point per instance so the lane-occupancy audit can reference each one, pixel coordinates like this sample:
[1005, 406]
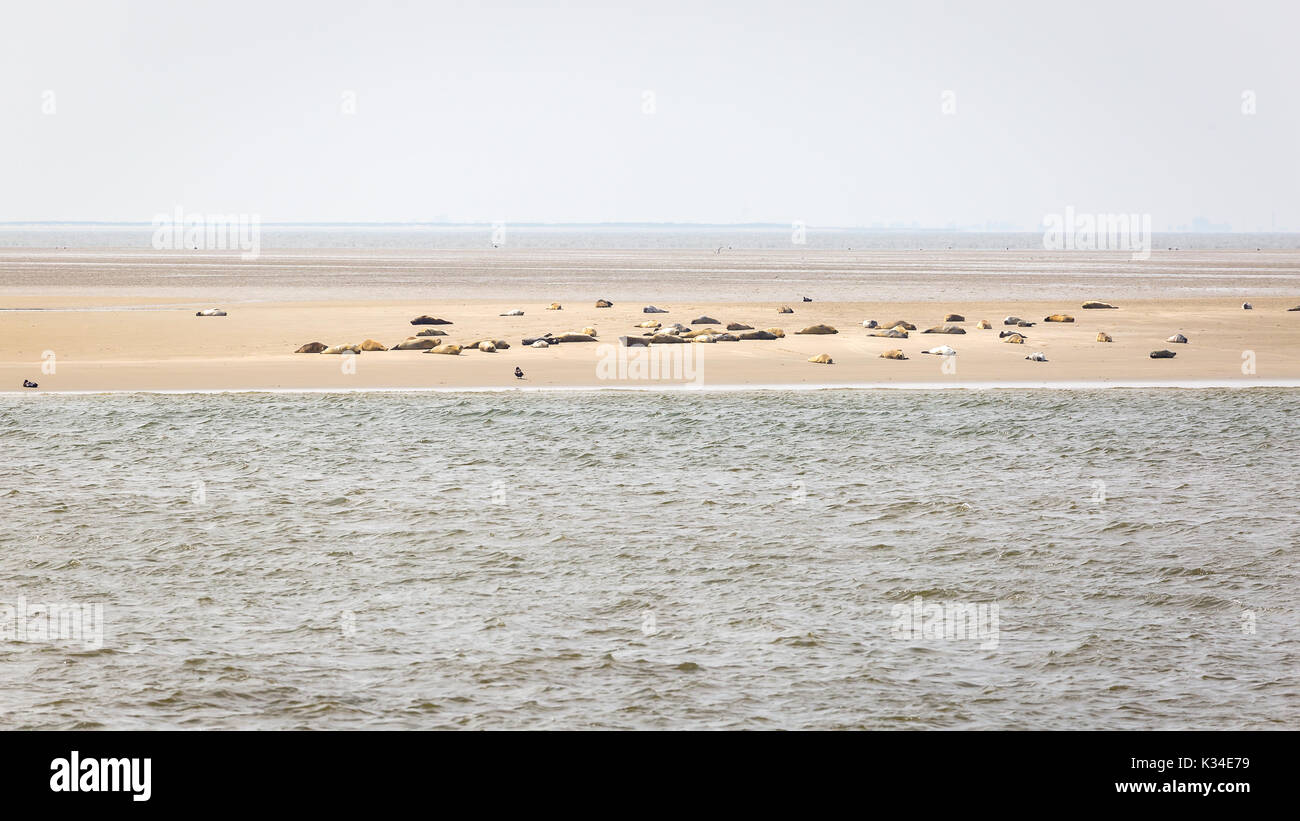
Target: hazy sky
[831, 113]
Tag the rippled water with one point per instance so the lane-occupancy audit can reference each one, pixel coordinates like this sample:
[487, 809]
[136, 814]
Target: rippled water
[598, 560]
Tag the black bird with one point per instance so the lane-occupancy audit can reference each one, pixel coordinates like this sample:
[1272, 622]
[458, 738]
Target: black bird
[806, 299]
[27, 383]
[519, 374]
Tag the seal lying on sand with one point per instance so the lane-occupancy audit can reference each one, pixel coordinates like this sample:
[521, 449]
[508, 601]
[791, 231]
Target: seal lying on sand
[1296, 308]
[739, 326]
[1177, 338]
[945, 329]
[942, 350]
[515, 312]
[417, 343]
[211, 312]
[954, 318]
[667, 339]
[776, 332]
[1163, 354]
[894, 354]
[785, 309]
[901, 323]
[372, 345]
[1015, 339]
[604, 303]
[486, 346]
[891, 333]
[869, 323]
[1058, 318]
[1102, 336]
[429, 320]
[1005, 334]
[554, 306]
[983, 325]
[449, 350]
[705, 320]
[758, 335]
[821, 358]
[818, 329]
[1246, 306]
[1093, 304]
[1037, 356]
[650, 309]
[542, 343]
[431, 332]
[1011, 320]
[312, 347]
[650, 323]
[342, 349]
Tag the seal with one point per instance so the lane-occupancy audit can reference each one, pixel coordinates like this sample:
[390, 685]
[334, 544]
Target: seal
[1177, 338]
[1037, 356]
[1015, 339]
[785, 309]
[954, 318]
[821, 358]
[1102, 336]
[604, 303]
[211, 312]
[893, 354]
[515, 312]
[372, 345]
[1163, 354]
[312, 347]
[942, 350]
[1058, 318]
[650, 309]
[739, 326]
[945, 329]
[342, 349]
[869, 323]
[430, 320]
[818, 329]
[1093, 305]
[417, 343]
[705, 319]
[983, 325]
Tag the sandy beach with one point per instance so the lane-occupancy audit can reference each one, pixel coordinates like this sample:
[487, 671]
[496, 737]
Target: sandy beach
[128, 336]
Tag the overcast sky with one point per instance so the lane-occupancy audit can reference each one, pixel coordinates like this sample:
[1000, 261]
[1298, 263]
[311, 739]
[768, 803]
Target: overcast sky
[831, 113]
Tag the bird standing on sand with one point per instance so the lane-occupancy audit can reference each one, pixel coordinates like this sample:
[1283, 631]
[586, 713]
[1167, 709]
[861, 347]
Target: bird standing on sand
[519, 374]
